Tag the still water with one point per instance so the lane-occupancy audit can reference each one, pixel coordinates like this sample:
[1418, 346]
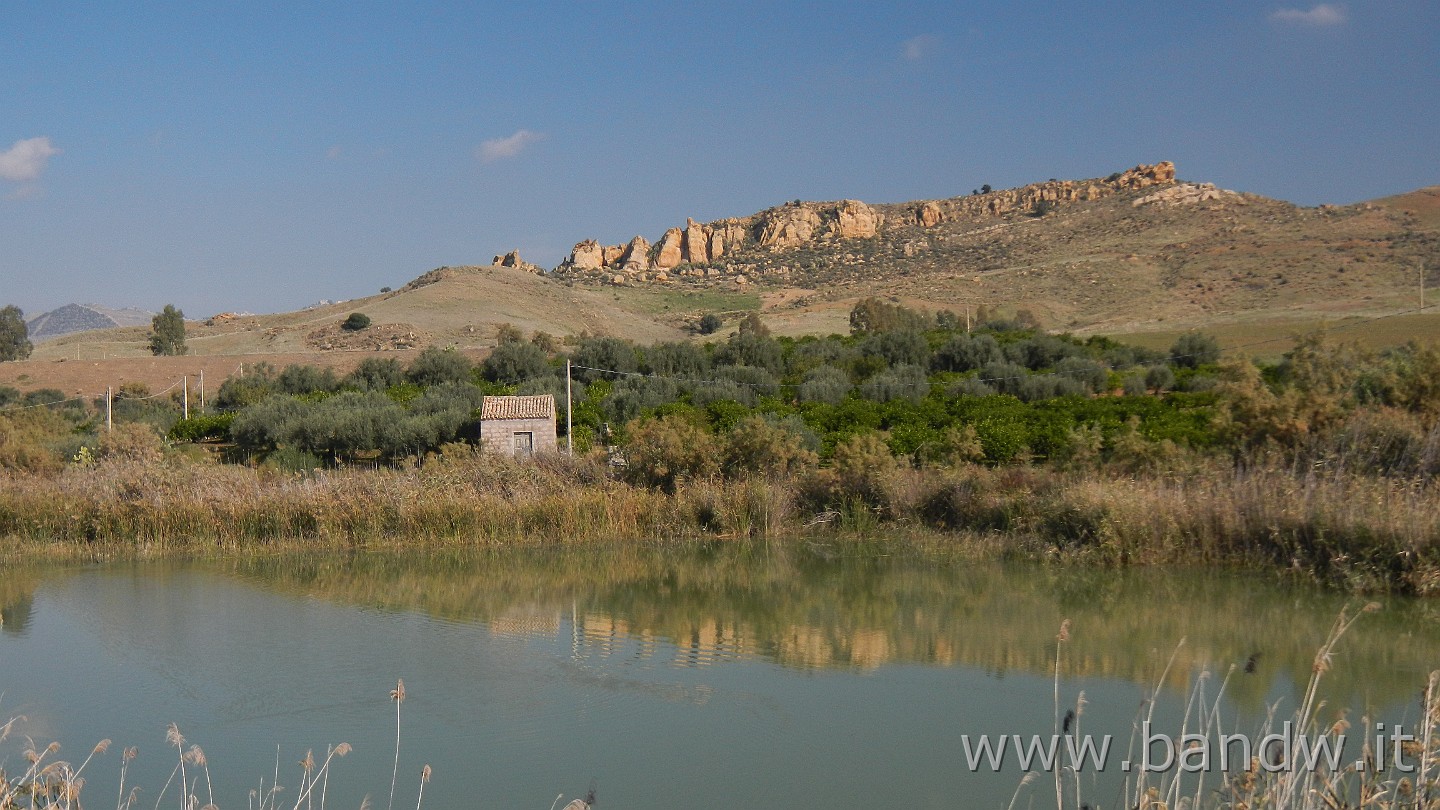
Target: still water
[718, 676]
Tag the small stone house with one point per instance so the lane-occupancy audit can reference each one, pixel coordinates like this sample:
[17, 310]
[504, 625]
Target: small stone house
[518, 426]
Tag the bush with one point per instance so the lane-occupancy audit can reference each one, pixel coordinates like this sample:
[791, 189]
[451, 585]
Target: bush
[514, 361]
[606, 354]
[710, 324]
[1087, 373]
[751, 348]
[356, 322]
[132, 441]
[207, 427]
[966, 353]
[676, 360]
[375, 374]
[246, 389]
[761, 447]
[663, 452]
[1159, 378]
[301, 379]
[436, 365]
[871, 315]
[899, 347]
[906, 382]
[969, 387]
[825, 384]
[1193, 350]
[759, 380]
[1042, 351]
[632, 396]
[861, 464]
[1134, 385]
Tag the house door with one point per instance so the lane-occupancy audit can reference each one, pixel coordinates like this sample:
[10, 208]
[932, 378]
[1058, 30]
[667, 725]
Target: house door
[524, 444]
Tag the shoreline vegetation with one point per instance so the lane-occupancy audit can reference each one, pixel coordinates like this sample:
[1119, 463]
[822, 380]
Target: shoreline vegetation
[991, 440]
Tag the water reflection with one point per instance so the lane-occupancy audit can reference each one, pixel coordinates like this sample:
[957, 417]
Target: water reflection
[698, 606]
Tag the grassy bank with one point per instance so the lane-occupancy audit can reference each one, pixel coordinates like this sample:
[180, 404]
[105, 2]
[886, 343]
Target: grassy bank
[1355, 531]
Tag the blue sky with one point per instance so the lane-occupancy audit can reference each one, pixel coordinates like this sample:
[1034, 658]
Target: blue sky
[260, 156]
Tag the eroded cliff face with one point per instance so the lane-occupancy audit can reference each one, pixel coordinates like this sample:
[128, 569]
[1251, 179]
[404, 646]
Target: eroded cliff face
[695, 249]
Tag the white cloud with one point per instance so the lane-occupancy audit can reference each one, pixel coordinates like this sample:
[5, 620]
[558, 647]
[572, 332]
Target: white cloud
[24, 161]
[1323, 14]
[501, 148]
[917, 48]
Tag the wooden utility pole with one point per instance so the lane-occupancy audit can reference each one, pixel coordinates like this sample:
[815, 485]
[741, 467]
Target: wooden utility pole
[185, 387]
[569, 423]
[109, 411]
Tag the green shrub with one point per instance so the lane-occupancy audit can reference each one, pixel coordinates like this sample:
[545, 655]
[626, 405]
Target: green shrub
[663, 452]
[906, 382]
[205, 427]
[966, 353]
[825, 384]
[606, 354]
[514, 361]
[710, 324]
[760, 447]
[1192, 350]
[356, 322]
[435, 365]
[375, 374]
[1159, 378]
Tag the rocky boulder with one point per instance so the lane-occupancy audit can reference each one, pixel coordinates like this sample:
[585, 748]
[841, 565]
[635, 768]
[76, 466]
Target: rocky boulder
[855, 220]
[788, 226]
[587, 255]
[929, 215]
[695, 247]
[669, 253]
[636, 256]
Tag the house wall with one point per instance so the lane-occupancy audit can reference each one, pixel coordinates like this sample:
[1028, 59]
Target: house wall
[498, 435]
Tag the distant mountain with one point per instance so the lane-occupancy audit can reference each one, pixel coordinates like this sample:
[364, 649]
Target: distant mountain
[83, 318]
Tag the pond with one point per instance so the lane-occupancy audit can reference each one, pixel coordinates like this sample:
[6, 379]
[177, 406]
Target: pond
[701, 676]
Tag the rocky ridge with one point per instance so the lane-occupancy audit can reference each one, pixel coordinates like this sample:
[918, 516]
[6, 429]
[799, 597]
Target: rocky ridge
[705, 250]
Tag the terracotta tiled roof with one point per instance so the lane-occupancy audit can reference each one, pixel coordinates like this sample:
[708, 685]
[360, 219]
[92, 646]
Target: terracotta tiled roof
[534, 407]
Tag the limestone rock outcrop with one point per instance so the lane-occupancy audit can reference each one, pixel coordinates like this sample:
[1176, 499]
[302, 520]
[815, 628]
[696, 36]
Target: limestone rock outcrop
[720, 250]
[637, 255]
[669, 252]
[587, 255]
[856, 220]
[1188, 194]
[928, 215]
[788, 226]
[695, 245]
[511, 259]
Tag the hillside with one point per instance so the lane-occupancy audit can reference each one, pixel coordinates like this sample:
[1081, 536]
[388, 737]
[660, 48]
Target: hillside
[451, 306]
[1138, 252]
[82, 318]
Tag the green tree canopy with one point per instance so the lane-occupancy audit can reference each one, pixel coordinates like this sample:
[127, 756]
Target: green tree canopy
[14, 334]
[167, 332]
